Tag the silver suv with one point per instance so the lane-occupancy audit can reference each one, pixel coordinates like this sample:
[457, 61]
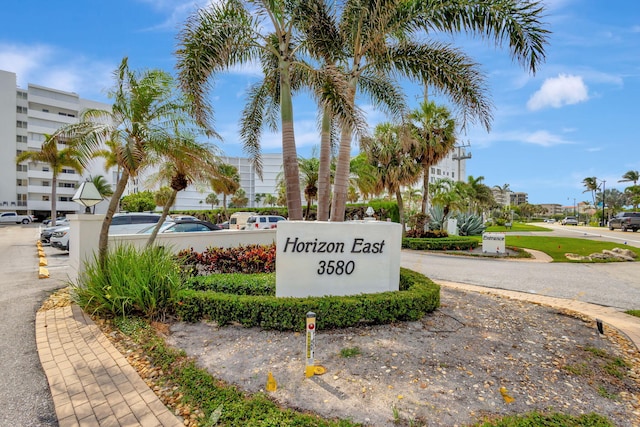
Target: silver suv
[260, 222]
[570, 220]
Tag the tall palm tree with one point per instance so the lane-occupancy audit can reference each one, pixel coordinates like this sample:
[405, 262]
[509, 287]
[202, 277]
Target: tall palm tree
[433, 132]
[57, 159]
[381, 39]
[146, 108]
[102, 185]
[226, 182]
[450, 195]
[503, 190]
[395, 166]
[591, 184]
[231, 33]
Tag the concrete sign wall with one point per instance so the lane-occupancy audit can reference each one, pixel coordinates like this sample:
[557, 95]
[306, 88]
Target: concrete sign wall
[493, 243]
[337, 258]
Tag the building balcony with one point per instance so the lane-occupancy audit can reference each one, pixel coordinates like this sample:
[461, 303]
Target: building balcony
[41, 205]
[45, 100]
[46, 190]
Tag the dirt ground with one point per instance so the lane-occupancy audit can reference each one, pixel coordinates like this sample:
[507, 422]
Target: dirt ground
[477, 356]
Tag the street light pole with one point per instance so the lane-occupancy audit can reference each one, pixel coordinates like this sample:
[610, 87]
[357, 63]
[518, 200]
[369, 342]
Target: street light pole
[603, 202]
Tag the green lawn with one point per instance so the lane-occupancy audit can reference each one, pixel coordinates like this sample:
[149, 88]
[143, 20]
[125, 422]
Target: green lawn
[556, 247]
[517, 226]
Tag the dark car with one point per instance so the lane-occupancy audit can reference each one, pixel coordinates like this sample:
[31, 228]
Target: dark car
[183, 226]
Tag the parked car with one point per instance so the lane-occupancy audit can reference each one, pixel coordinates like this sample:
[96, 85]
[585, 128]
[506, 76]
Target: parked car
[182, 226]
[122, 223]
[224, 225]
[570, 220]
[183, 218]
[625, 221]
[47, 232]
[60, 238]
[58, 220]
[131, 223]
[13, 217]
[259, 222]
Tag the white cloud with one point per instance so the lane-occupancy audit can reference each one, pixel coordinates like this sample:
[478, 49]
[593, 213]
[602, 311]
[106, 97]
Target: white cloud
[559, 91]
[544, 139]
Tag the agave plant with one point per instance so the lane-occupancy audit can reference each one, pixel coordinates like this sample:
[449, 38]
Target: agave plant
[470, 225]
[437, 218]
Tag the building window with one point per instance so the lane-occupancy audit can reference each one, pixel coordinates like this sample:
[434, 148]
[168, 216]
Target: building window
[66, 185]
[46, 184]
[433, 170]
[19, 182]
[21, 138]
[44, 110]
[438, 171]
[21, 95]
[45, 198]
[18, 152]
[45, 169]
[21, 168]
[21, 124]
[68, 171]
[22, 110]
[65, 199]
[453, 175]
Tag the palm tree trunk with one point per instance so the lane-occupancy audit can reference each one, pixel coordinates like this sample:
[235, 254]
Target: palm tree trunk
[165, 213]
[54, 200]
[289, 154]
[324, 168]
[341, 183]
[425, 188]
[401, 210]
[113, 205]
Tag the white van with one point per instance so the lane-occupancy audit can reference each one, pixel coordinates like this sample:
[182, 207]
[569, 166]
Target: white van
[239, 219]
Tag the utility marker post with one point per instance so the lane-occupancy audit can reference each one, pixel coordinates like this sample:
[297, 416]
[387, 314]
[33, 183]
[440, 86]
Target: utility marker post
[311, 344]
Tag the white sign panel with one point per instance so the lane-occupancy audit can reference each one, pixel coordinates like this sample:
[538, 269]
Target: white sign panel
[337, 258]
[493, 243]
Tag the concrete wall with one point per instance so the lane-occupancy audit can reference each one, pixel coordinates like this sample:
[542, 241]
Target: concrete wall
[85, 234]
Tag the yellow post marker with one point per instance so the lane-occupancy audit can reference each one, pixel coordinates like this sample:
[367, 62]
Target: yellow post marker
[311, 344]
[272, 385]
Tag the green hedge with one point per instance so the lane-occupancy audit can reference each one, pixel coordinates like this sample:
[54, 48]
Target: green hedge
[417, 296]
[440, 244]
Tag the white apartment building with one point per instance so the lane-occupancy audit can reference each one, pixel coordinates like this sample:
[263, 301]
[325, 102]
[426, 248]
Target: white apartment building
[26, 115]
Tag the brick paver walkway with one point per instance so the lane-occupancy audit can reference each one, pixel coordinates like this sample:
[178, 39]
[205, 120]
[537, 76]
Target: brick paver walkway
[91, 382]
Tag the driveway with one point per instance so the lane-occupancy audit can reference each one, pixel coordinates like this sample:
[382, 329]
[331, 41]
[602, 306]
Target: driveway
[24, 391]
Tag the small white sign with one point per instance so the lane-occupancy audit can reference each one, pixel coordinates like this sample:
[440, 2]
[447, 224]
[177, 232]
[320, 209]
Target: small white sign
[452, 227]
[337, 258]
[493, 243]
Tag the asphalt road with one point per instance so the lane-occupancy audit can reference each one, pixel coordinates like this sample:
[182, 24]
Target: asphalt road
[24, 391]
[610, 284]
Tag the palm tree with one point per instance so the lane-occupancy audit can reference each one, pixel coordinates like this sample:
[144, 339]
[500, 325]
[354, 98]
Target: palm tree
[449, 194]
[226, 182]
[145, 107]
[481, 196]
[57, 159]
[503, 190]
[395, 166]
[270, 200]
[433, 132]
[379, 40]
[309, 171]
[102, 185]
[239, 198]
[229, 34]
[212, 199]
[631, 176]
[183, 163]
[591, 184]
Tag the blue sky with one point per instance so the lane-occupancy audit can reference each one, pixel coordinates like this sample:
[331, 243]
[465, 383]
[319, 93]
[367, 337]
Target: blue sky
[577, 117]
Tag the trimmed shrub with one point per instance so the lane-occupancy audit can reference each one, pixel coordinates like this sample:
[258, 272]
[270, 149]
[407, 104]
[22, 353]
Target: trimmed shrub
[241, 259]
[440, 244]
[417, 296]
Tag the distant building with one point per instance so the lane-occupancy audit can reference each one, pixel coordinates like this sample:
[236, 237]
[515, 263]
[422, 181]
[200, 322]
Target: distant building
[552, 209]
[518, 198]
[26, 115]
